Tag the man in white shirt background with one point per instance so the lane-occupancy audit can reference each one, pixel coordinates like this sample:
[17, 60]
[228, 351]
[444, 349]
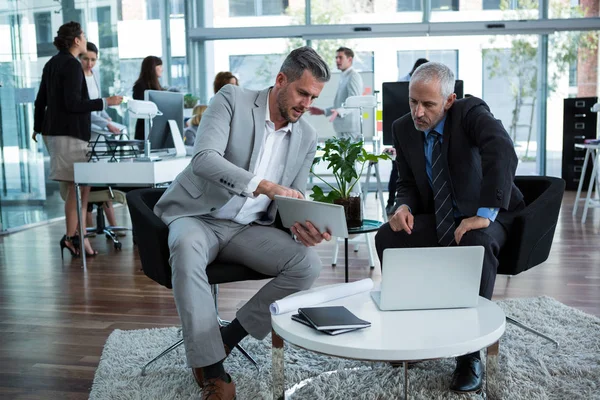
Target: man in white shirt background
[346, 123]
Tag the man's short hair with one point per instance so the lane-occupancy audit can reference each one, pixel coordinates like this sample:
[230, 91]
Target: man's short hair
[302, 59]
[435, 71]
[348, 52]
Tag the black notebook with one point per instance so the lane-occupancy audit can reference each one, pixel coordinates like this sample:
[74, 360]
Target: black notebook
[331, 318]
[333, 332]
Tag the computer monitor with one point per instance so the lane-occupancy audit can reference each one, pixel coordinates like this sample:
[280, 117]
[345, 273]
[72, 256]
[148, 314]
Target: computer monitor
[395, 105]
[170, 104]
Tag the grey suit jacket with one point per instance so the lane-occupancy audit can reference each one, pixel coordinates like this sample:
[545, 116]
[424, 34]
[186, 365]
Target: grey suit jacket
[229, 139]
[351, 84]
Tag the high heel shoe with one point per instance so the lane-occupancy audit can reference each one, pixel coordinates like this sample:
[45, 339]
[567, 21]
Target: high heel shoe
[77, 243]
[63, 244]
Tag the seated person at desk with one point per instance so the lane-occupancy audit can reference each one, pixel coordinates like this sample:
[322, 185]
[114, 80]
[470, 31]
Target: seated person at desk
[190, 131]
[88, 61]
[456, 167]
[251, 146]
[150, 73]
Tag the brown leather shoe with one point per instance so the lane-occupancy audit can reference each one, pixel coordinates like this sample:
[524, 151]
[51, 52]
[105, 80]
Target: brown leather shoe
[199, 373]
[218, 389]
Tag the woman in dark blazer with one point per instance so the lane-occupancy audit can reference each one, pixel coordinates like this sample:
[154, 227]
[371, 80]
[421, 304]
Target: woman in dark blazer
[150, 72]
[62, 116]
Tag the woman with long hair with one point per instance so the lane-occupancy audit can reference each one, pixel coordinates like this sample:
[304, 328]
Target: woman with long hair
[62, 115]
[150, 73]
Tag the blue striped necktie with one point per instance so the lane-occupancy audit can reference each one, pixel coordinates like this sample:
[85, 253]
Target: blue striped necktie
[442, 194]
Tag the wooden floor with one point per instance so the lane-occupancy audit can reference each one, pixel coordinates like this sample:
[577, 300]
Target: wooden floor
[55, 316]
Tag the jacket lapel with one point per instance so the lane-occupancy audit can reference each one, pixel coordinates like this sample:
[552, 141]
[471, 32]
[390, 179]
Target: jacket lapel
[446, 145]
[258, 114]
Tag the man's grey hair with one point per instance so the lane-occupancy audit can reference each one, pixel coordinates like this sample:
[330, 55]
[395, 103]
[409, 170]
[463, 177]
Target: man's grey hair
[302, 59]
[435, 71]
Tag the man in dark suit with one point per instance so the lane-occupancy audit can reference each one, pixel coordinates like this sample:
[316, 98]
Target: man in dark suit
[456, 167]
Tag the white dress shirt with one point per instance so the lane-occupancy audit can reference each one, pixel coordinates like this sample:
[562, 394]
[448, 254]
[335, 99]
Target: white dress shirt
[270, 164]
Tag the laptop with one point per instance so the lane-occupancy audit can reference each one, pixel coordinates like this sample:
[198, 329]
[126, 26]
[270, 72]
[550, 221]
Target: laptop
[430, 278]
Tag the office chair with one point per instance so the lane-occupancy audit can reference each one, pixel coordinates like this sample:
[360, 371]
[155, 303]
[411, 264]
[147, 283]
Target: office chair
[99, 197]
[151, 236]
[530, 236]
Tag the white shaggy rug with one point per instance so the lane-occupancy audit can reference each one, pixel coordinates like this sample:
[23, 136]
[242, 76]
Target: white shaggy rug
[531, 367]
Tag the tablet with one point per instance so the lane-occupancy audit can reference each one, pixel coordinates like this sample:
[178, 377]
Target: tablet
[324, 216]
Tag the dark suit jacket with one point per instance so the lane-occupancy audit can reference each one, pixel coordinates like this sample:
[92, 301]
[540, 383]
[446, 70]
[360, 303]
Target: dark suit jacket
[480, 159]
[63, 105]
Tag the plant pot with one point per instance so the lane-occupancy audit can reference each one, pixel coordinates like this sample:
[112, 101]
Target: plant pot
[352, 210]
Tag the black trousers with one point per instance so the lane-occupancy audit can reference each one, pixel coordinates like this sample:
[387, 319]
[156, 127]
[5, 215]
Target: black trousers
[392, 185]
[423, 234]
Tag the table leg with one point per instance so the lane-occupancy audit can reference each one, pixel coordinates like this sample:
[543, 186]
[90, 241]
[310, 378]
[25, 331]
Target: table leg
[80, 224]
[590, 186]
[405, 365]
[346, 257]
[492, 368]
[580, 186]
[278, 366]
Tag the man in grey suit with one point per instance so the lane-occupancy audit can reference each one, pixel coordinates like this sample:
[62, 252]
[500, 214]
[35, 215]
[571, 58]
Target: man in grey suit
[347, 123]
[251, 146]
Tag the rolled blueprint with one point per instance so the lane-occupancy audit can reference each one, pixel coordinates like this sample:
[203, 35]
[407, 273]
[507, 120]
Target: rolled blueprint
[320, 295]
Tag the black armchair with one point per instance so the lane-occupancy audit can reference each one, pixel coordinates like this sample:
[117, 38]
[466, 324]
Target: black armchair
[531, 234]
[151, 236]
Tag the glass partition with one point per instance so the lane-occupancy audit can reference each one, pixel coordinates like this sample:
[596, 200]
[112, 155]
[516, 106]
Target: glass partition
[125, 32]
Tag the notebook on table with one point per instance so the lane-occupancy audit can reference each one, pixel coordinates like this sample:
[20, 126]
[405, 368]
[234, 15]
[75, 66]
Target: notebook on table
[332, 318]
[333, 332]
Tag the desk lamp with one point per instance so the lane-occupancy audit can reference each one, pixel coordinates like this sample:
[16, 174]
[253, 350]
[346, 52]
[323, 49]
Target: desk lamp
[145, 110]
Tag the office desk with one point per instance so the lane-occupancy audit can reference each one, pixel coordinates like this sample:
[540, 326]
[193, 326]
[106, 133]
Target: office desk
[142, 174]
[591, 153]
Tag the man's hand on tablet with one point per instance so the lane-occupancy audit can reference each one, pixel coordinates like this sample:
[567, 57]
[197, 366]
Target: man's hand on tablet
[308, 235]
[271, 189]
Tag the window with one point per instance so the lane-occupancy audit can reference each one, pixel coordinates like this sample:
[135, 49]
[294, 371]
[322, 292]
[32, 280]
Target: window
[152, 9]
[573, 73]
[256, 71]
[255, 8]
[436, 5]
[107, 36]
[406, 59]
[43, 34]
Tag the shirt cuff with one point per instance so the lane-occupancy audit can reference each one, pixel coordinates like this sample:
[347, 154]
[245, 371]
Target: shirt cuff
[103, 103]
[488, 212]
[252, 185]
[405, 205]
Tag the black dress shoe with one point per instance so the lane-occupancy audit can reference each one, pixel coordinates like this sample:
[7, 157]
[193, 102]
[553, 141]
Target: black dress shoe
[468, 375]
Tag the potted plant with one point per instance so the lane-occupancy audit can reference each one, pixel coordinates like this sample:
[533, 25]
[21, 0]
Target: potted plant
[189, 100]
[346, 161]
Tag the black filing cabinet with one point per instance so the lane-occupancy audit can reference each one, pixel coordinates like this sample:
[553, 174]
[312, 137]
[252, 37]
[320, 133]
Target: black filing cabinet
[579, 123]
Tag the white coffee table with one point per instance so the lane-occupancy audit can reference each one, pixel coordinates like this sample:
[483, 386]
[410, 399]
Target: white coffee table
[399, 336]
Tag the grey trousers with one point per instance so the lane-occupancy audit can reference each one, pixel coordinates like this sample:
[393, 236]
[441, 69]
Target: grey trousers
[195, 242]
